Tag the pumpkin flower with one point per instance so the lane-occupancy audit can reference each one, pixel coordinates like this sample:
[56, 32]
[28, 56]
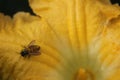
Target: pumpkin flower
[78, 40]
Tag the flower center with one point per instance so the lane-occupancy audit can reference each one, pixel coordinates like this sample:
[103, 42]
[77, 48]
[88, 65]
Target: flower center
[84, 74]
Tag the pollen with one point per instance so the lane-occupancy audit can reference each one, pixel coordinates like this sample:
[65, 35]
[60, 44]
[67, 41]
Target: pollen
[84, 74]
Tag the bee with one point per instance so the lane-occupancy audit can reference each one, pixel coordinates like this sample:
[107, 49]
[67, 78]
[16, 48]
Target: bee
[30, 49]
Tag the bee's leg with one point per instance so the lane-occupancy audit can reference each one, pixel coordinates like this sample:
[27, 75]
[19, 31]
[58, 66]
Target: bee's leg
[28, 56]
[23, 46]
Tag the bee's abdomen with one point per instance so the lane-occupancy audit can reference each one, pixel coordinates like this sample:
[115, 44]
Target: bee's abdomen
[34, 49]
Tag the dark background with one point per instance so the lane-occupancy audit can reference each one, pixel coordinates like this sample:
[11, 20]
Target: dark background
[10, 7]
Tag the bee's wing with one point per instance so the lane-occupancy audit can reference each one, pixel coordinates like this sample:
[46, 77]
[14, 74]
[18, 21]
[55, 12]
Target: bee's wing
[37, 53]
[31, 43]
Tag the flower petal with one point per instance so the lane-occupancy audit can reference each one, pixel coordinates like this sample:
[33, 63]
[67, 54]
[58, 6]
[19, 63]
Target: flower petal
[72, 34]
[18, 32]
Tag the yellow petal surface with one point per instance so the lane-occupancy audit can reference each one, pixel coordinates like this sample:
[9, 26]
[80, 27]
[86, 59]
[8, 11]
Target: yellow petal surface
[17, 33]
[78, 39]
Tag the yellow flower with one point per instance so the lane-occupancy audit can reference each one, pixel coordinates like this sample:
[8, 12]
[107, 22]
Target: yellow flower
[78, 39]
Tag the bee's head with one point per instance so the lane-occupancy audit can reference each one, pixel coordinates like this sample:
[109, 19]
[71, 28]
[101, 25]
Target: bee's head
[24, 53]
